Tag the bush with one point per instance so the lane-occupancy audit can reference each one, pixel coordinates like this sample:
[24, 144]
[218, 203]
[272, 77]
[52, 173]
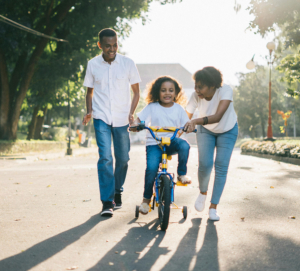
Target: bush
[58, 134]
[279, 148]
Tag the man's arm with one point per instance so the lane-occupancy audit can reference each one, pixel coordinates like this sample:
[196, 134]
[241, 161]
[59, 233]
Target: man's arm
[88, 99]
[135, 100]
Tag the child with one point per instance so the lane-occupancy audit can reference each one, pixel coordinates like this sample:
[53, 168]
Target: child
[165, 99]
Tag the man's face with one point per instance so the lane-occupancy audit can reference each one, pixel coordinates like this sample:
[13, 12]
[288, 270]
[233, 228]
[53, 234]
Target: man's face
[109, 46]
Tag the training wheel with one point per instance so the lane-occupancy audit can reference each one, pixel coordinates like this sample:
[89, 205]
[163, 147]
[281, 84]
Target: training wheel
[137, 211]
[185, 211]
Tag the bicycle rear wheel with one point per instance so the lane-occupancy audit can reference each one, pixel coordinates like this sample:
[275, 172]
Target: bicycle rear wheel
[164, 202]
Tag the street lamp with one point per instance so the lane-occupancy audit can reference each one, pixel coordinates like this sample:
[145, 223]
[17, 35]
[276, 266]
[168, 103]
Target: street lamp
[271, 48]
[251, 65]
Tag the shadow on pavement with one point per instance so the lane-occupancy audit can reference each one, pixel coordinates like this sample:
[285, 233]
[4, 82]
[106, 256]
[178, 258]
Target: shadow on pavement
[187, 258]
[138, 250]
[47, 248]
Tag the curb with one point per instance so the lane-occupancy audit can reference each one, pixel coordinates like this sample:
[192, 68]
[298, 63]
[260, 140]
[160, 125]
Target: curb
[47, 156]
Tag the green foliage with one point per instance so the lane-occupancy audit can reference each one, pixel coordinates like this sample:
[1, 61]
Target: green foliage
[271, 13]
[290, 67]
[45, 66]
[251, 102]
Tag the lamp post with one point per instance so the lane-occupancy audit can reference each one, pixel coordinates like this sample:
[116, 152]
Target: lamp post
[271, 48]
[251, 65]
[69, 150]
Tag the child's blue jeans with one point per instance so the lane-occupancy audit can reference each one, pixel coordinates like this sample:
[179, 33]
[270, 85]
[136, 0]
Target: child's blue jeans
[154, 154]
[207, 143]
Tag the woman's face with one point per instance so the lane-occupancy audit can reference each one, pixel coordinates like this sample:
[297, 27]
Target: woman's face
[203, 91]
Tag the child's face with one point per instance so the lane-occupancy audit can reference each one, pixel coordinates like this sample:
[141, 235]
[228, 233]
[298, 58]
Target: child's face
[167, 93]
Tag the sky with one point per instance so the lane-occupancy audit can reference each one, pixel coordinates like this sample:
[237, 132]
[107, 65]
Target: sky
[197, 33]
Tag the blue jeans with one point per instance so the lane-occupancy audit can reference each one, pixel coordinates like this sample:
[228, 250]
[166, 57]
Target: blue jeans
[207, 142]
[110, 182]
[154, 155]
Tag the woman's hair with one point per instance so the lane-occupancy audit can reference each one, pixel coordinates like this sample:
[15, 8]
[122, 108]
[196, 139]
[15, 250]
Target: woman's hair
[153, 90]
[209, 76]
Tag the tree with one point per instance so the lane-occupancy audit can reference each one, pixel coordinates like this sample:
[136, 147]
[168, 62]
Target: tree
[251, 102]
[271, 13]
[290, 67]
[78, 21]
[284, 15]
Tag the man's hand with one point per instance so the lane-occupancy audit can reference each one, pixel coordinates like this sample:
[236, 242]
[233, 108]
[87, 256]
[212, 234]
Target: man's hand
[86, 118]
[130, 119]
[189, 126]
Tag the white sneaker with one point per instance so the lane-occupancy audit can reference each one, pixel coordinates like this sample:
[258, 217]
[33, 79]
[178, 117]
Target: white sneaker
[200, 202]
[213, 215]
[144, 208]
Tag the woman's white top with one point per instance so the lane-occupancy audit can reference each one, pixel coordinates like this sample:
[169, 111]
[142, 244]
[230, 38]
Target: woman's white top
[208, 108]
[156, 115]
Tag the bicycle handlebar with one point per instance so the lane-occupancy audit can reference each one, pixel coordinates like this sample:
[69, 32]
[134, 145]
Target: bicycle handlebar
[153, 129]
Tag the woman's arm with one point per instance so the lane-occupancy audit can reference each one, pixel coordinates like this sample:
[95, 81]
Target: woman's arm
[222, 107]
[190, 115]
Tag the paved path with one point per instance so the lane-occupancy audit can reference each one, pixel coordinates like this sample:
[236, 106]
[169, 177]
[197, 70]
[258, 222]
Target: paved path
[49, 219]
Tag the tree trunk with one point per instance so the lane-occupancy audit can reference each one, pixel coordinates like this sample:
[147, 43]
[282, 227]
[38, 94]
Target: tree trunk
[262, 122]
[4, 96]
[39, 125]
[9, 124]
[32, 125]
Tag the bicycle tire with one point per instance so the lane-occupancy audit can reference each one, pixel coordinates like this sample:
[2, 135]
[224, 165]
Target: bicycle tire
[165, 202]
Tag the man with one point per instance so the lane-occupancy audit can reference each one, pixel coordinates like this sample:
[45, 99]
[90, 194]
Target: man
[108, 79]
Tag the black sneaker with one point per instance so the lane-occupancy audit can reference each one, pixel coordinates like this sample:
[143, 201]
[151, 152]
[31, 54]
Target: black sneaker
[107, 209]
[118, 201]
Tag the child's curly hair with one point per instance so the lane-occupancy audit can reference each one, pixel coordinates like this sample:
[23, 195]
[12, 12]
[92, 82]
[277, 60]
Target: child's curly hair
[153, 90]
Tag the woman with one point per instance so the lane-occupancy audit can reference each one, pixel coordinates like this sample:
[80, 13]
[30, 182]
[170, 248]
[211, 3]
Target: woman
[217, 129]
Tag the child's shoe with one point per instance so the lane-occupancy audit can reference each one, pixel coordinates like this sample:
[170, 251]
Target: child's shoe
[144, 208]
[213, 215]
[200, 202]
[185, 179]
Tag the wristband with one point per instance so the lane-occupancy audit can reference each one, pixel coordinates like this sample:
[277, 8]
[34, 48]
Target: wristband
[205, 120]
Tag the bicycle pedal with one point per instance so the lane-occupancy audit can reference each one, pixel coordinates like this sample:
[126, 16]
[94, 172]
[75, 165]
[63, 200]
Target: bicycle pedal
[179, 183]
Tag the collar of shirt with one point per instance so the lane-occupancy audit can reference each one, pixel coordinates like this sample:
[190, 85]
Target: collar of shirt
[116, 60]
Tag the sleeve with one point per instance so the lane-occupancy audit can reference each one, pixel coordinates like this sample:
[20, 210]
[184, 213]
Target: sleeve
[134, 76]
[145, 114]
[184, 117]
[89, 78]
[226, 93]
[192, 104]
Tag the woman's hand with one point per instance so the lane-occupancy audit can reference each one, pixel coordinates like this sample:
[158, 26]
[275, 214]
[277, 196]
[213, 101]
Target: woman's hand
[189, 126]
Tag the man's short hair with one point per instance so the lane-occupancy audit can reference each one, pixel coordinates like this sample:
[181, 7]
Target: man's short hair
[107, 32]
[209, 76]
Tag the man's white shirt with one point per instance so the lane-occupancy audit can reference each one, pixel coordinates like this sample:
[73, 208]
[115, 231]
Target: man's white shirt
[111, 100]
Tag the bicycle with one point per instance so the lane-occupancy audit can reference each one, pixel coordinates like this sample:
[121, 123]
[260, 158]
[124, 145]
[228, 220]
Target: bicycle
[164, 184]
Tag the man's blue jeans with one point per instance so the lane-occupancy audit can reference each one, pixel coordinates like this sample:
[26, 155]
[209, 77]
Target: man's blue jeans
[207, 142]
[154, 155]
[111, 182]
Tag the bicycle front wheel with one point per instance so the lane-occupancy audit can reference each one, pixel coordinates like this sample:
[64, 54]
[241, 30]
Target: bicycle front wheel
[164, 202]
